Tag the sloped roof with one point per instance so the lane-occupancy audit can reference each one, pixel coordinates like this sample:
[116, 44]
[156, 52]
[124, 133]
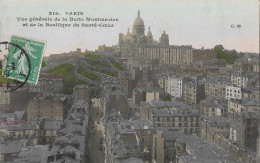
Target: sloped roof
[33, 154]
[11, 147]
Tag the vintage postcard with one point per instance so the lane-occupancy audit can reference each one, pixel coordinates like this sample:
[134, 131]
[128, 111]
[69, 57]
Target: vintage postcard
[129, 81]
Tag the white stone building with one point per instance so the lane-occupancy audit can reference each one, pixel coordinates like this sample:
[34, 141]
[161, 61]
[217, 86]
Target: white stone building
[175, 86]
[233, 92]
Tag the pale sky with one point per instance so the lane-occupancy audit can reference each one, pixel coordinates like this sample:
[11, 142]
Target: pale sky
[187, 22]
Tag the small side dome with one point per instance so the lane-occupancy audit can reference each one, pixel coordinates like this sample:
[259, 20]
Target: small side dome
[128, 33]
[149, 33]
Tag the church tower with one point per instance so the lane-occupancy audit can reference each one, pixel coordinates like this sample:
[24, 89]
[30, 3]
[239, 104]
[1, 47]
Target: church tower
[164, 40]
[149, 36]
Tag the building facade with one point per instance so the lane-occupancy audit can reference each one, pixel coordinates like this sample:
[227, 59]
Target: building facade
[172, 114]
[193, 92]
[215, 88]
[244, 128]
[212, 107]
[239, 80]
[187, 122]
[235, 105]
[175, 84]
[203, 54]
[52, 83]
[233, 92]
[51, 106]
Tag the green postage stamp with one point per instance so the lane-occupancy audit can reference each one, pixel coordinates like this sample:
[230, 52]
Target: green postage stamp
[24, 59]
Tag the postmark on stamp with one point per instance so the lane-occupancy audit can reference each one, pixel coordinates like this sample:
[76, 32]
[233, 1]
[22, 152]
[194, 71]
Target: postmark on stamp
[11, 84]
[23, 61]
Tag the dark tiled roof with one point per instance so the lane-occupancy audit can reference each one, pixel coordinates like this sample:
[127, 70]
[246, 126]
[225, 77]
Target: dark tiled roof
[171, 133]
[215, 103]
[33, 154]
[52, 125]
[7, 147]
[20, 127]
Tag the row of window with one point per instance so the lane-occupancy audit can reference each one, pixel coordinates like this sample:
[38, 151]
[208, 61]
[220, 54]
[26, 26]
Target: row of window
[186, 130]
[232, 104]
[234, 95]
[178, 124]
[230, 90]
[164, 119]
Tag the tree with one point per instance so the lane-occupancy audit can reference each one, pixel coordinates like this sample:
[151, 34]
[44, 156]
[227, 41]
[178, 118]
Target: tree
[228, 55]
[167, 97]
[219, 46]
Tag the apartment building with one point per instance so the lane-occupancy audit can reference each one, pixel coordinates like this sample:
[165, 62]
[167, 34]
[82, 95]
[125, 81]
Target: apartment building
[233, 92]
[215, 88]
[175, 84]
[193, 92]
[240, 105]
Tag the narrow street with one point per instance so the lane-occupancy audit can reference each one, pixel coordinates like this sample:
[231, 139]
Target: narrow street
[96, 130]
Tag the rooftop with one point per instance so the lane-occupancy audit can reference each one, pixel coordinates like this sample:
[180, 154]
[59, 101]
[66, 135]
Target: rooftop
[245, 102]
[249, 115]
[33, 154]
[142, 124]
[67, 160]
[20, 127]
[123, 137]
[204, 151]
[9, 147]
[51, 124]
[71, 138]
[176, 76]
[250, 75]
[215, 103]
[168, 113]
[220, 81]
[19, 114]
[81, 104]
[171, 133]
[73, 128]
[69, 149]
[175, 104]
[130, 160]
[217, 121]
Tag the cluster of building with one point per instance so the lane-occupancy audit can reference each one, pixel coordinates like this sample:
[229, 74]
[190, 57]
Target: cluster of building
[136, 44]
[44, 125]
[169, 104]
[48, 131]
[222, 110]
[153, 130]
[179, 90]
[19, 99]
